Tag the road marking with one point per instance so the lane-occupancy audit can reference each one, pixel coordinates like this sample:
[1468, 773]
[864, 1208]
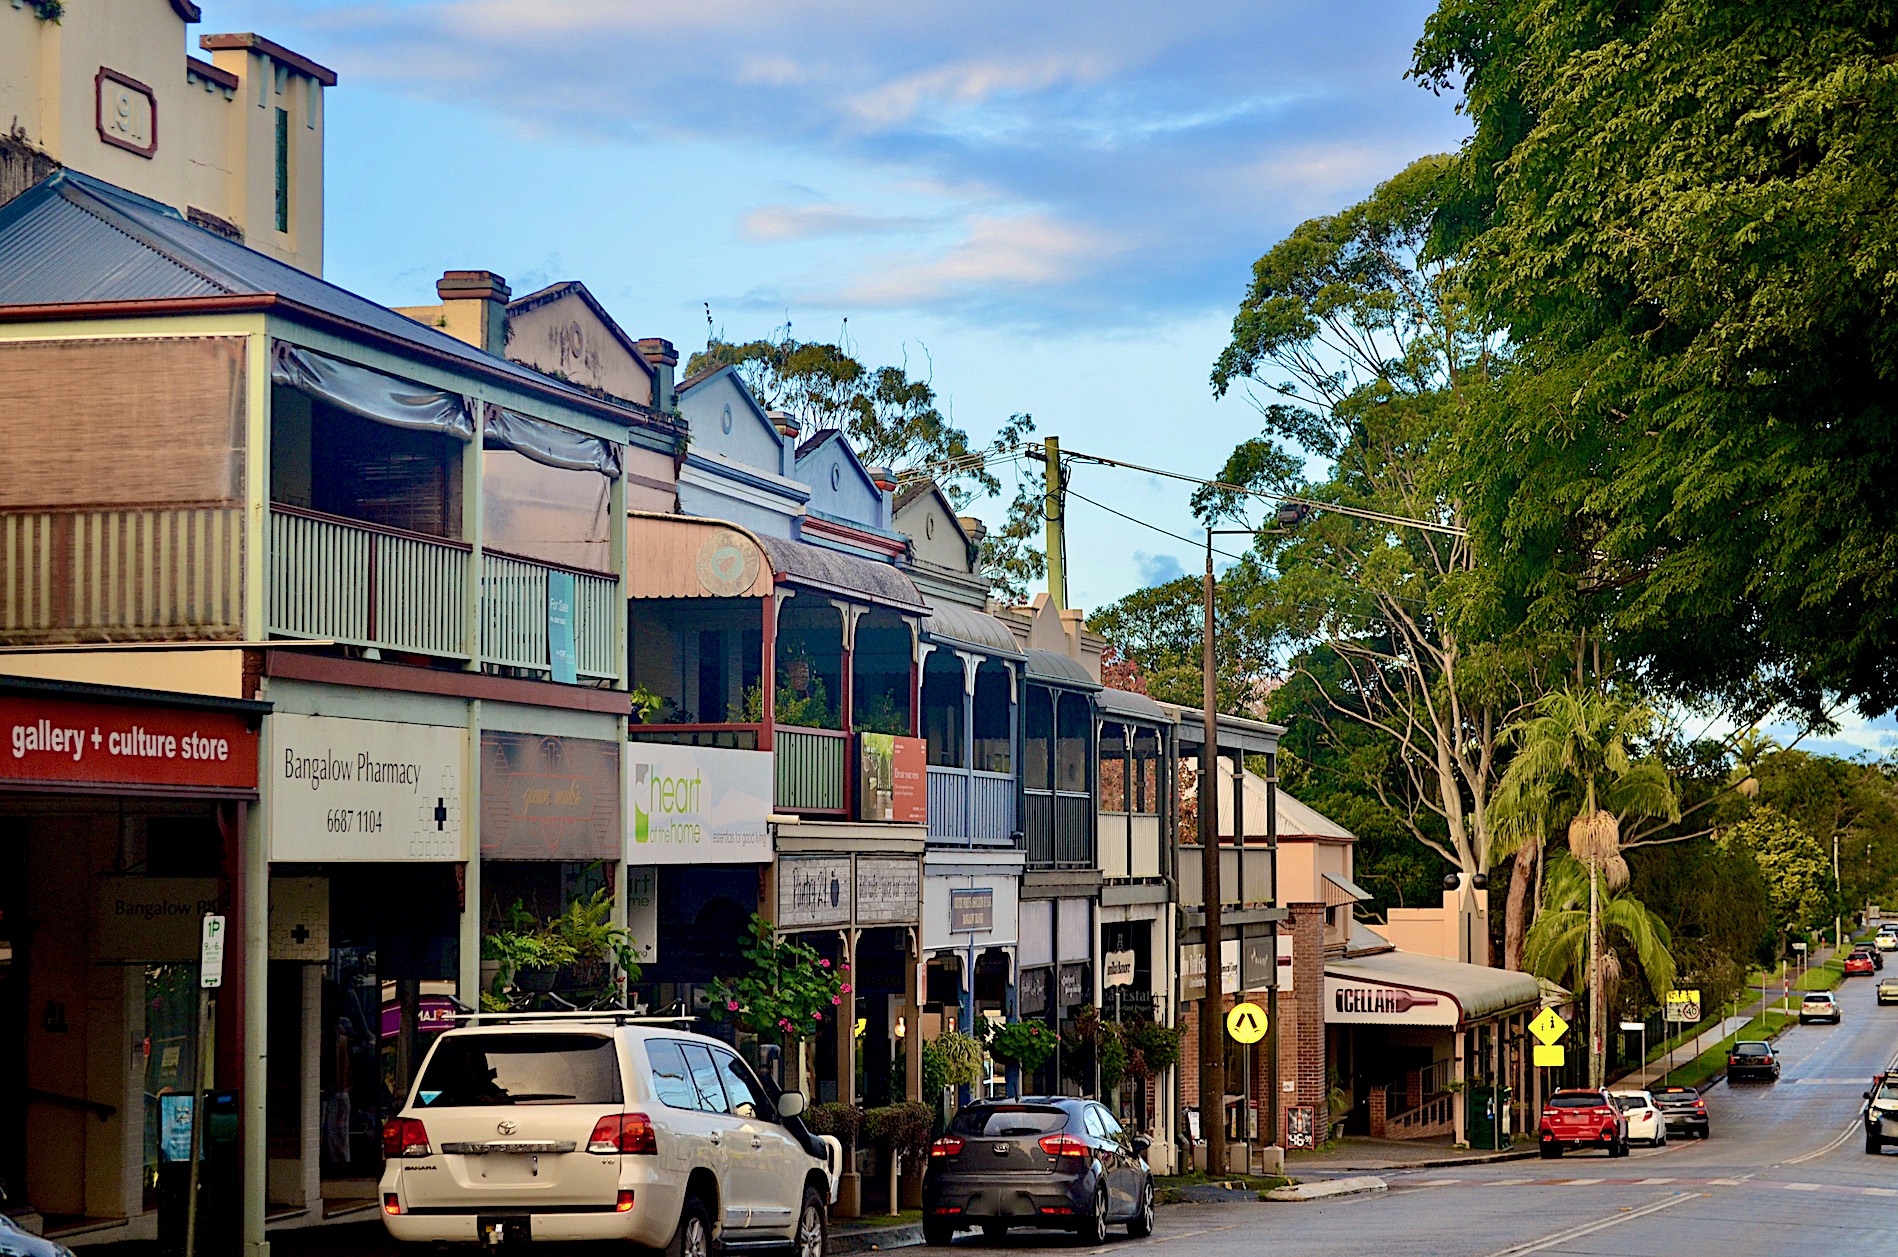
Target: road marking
[1578, 1182]
[1880, 1191]
[1803, 1187]
[1834, 1145]
[1575, 1233]
[1651, 1182]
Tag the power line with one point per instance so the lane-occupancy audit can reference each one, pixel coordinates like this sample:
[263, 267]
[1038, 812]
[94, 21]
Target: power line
[1195, 542]
[1377, 517]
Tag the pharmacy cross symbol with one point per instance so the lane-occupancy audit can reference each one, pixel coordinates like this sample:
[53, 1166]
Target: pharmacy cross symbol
[301, 934]
[441, 814]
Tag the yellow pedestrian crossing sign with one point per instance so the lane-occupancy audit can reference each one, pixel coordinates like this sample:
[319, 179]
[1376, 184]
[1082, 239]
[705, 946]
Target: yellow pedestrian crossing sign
[1548, 1027]
[1246, 1023]
[1550, 1055]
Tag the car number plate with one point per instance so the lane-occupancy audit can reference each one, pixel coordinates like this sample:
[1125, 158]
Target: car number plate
[505, 1229]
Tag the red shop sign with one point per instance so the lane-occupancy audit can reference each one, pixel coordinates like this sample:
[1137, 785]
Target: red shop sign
[49, 739]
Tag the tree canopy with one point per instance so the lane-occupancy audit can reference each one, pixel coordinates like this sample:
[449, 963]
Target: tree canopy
[895, 420]
[1680, 215]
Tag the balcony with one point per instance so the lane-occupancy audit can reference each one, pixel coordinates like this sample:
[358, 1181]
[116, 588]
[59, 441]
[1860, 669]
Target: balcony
[1058, 828]
[1257, 890]
[1129, 845]
[122, 573]
[810, 766]
[969, 808]
[382, 588]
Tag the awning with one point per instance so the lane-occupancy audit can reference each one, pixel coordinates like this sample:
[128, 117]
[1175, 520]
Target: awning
[548, 443]
[1128, 705]
[682, 557]
[961, 626]
[370, 394]
[845, 575]
[1398, 988]
[1339, 891]
[1052, 669]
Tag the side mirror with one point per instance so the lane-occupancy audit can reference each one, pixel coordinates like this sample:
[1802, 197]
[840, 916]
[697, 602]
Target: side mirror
[1868, 1095]
[791, 1104]
[1141, 1144]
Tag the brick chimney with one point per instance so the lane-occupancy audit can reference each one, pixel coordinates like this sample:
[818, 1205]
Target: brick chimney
[786, 424]
[474, 308]
[884, 478]
[976, 529]
[663, 359]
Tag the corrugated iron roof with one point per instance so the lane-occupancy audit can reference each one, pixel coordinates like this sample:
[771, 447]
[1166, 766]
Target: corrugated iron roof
[72, 238]
[846, 575]
[1046, 665]
[1481, 993]
[1133, 706]
[949, 623]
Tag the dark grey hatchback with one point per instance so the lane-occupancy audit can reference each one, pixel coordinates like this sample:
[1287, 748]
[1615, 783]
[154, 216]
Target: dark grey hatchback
[1040, 1161]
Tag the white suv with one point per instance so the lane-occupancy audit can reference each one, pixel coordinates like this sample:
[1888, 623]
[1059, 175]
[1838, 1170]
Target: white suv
[597, 1126]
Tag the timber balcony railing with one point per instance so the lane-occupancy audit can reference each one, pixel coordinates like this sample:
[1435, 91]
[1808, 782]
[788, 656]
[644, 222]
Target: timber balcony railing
[366, 585]
[971, 808]
[122, 573]
[809, 766]
[1058, 829]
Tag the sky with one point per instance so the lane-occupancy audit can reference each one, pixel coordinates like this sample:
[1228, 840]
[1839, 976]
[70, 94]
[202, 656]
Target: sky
[1046, 208]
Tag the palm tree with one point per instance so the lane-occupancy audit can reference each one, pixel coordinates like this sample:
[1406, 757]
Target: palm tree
[1560, 940]
[1572, 762]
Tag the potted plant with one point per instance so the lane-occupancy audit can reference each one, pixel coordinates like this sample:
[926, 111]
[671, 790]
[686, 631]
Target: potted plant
[581, 945]
[1023, 1044]
[903, 1131]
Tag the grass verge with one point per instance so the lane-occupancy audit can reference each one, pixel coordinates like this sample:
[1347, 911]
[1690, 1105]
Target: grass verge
[1167, 1188]
[909, 1217]
[1702, 1069]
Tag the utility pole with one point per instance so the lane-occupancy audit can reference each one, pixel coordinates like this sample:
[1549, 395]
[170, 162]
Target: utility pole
[1212, 1007]
[1838, 930]
[1052, 511]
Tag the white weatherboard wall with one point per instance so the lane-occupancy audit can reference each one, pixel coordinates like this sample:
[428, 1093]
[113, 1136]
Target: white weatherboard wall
[696, 805]
[365, 790]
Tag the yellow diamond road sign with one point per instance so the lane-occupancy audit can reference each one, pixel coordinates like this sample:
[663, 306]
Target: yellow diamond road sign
[1246, 1023]
[1548, 1027]
[1551, 1056]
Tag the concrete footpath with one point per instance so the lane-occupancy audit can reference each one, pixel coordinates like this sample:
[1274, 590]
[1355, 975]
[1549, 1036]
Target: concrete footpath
[1357, 1154]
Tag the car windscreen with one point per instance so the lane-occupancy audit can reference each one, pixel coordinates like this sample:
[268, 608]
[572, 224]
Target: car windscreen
[1752, 1049]
[472, 1070]
[1818, 999]
[1584, 1100]
[1007, 1121]
[1625, 1103]
[1887, 1091]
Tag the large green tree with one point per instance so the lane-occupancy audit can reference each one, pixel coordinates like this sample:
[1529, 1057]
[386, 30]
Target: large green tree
[1798, 870]
[1156, 635]
[1358, 347]
[895, 419]
[1680, 214]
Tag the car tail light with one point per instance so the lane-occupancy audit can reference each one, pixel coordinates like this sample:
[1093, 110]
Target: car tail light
[1700, 1106]
[1065, 1146]
[948, 1208]
[630, 1133]
[404, 1137]
[390, 1204]
[947, 1146]
[625, 1204]
[1061, 1209]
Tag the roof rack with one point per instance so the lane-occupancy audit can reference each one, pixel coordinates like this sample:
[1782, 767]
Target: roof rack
[619, 1017]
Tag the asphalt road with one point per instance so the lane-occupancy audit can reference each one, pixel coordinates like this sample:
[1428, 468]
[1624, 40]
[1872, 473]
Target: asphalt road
[1785, 1172]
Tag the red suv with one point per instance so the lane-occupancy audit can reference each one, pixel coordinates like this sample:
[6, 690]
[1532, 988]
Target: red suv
[1583, 1119]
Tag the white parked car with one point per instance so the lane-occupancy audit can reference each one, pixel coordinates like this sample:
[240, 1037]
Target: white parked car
[600, 1126]
[1646, 1123]
[1885, 942]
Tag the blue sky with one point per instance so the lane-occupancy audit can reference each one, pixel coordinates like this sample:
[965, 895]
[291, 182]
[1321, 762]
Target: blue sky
[1053, 208]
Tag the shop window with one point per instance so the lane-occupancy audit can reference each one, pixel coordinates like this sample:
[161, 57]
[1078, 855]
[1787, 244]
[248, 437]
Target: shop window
[1114, 782]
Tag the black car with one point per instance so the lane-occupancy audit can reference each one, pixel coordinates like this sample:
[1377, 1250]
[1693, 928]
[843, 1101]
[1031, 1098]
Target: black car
[1752, 1059]
[1039, 1161]
[1682, 1109]
[1866, 949]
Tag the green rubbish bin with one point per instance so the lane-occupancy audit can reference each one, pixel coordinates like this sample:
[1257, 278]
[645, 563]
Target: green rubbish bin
[1486, 1119]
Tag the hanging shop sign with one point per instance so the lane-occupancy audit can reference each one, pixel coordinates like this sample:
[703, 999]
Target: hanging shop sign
[892, 779]
[814, 890]
[1074, 986]
[365, 790]
[55, 740]
[697, 805]
[151, 920]
[972, 911]
[1193, 969]
[549, 798]
[1031, 992]
[642, 912]
[1255, 962]
[300, 918]
[889, 891]
[1117, 969]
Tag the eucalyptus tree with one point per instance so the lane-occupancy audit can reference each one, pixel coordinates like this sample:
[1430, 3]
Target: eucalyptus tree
[1358, 347]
